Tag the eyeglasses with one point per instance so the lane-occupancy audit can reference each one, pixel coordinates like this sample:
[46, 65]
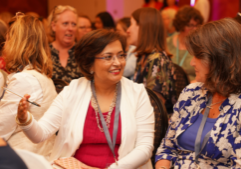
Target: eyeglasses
[192, 25]
[85, 27]
[110, 58]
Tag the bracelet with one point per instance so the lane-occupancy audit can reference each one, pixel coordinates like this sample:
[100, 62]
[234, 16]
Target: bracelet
[162, 167]
[29, 120]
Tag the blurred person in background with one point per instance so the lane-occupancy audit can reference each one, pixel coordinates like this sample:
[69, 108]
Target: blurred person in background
[28, 61]
[170, 4]
[121, 27]
[154, 67]
[63, 21]
[204, 7]
[6, 17]
[238, 17]
[186, 19]
[34, 14]
[168, 15]
[3, 74]
[84, 26]
[9, 159]
[3, 31]
[104, 20]
[153, 4]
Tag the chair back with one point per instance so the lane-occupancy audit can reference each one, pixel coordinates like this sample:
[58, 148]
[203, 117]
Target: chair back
[59, 84]
[161, 121]
[181, 79]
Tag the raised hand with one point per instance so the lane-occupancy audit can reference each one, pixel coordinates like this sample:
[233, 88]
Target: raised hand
[23, 108]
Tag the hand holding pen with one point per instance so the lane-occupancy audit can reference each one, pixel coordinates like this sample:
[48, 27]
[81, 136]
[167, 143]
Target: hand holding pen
[23, 109]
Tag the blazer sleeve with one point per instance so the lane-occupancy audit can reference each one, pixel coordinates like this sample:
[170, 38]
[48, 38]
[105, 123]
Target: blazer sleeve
[145, 135]
[41, 130]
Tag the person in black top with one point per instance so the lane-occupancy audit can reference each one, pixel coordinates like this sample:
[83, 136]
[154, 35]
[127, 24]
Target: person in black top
[8, 158]
[63, 29]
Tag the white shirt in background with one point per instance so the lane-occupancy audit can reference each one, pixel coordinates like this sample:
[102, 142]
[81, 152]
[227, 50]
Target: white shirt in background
[1, 83]
[204, 7]
[130, 62]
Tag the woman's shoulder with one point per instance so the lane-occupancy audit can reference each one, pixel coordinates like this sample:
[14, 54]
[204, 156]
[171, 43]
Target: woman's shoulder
[193, 89]
[170, 44]
[194, 86]
[79, 84]
[158, 55]
[131, 85]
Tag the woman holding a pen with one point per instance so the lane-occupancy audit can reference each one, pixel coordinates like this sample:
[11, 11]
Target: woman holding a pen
[28, 61]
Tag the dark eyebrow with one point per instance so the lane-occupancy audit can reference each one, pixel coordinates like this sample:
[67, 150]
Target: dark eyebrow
[112, 53]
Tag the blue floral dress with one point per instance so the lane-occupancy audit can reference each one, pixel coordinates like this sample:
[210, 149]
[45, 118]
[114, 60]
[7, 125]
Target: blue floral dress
[224, 144]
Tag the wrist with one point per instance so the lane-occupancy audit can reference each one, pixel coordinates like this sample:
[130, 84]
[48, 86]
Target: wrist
[24, 122]
[24, 118]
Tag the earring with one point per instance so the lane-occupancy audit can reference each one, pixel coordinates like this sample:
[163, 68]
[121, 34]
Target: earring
[91, 72]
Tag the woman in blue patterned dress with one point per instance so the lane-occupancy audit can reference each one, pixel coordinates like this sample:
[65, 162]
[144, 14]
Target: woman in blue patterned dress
[204, 130]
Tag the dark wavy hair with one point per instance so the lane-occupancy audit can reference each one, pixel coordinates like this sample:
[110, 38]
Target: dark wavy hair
[184, 15]
[218, 44]
[107, 20]
[92, 44]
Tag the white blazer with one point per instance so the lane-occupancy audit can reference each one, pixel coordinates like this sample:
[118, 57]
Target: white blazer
[68, 113]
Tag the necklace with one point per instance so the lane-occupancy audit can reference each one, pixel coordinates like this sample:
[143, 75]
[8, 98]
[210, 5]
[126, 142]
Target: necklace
[210, 107]
[108, 116]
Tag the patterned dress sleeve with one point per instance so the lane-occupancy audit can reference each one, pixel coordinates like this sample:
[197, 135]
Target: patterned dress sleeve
[236, 145]
[168, 147]
[158, 76]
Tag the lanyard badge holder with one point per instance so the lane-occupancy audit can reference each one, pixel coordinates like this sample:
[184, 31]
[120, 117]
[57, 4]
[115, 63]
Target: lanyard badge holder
[198, 147]
[116, 119]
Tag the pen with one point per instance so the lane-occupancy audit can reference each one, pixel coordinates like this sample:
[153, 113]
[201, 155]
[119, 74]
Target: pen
[36, 104]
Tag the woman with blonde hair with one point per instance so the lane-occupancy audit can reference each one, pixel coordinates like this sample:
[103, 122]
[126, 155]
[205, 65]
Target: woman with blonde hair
[28, 60]
[63, 28]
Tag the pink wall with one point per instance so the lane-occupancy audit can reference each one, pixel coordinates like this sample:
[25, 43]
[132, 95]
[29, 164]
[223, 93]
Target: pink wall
[115, 8]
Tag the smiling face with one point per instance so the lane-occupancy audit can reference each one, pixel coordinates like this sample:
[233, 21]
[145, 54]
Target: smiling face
[109, 72]
[201, 69]
[65, 28]
[133, 32]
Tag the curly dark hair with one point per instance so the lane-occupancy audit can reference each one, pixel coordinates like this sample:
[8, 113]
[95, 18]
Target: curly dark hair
[92, 44]
[218, 45]
[184, 15]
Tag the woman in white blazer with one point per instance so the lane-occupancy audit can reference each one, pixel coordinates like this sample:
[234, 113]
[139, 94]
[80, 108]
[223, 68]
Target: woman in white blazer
[76, 112]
